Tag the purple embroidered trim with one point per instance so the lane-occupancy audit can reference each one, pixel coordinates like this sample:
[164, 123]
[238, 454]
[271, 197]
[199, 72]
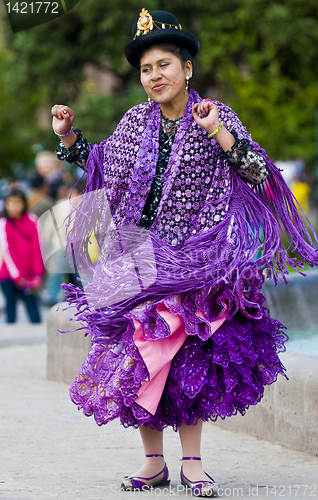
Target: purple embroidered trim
[219, 377]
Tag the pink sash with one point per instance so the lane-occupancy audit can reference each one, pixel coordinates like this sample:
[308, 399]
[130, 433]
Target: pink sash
[158, 354]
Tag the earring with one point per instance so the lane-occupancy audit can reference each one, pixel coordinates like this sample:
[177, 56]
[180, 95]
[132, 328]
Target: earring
[187, 85]
[149, 100]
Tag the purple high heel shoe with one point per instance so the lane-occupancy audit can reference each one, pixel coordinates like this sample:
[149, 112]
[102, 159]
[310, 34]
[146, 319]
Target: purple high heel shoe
[199, 488]
[137, 483]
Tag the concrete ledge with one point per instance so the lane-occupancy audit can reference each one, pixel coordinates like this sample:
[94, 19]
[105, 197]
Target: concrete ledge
[288, 412]
[294, 304]
[65, 351]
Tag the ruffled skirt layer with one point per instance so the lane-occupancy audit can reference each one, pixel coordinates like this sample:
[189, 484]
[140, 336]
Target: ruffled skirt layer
[216, 377]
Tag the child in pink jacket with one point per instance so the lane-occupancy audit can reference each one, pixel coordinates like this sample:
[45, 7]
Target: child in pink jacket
[22, 266]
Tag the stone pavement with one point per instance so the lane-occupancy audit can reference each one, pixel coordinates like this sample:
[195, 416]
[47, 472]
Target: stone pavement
[49, 450]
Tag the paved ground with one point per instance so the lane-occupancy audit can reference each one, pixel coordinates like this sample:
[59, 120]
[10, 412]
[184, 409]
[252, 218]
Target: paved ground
[50, 450]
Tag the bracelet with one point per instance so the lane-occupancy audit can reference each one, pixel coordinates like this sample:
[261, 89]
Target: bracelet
[64, 135]
[216, 131]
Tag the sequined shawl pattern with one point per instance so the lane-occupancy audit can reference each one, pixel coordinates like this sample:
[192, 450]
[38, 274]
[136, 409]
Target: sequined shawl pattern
[197, 183]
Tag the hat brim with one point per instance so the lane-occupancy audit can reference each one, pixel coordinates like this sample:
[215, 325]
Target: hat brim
[179, 37]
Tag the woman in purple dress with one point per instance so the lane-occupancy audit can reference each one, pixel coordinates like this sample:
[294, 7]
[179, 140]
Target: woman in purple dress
[176, 200]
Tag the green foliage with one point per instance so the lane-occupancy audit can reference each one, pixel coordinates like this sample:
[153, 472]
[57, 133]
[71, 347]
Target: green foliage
[258, 56]
[98, 115]
[16, 129]
[263, 59]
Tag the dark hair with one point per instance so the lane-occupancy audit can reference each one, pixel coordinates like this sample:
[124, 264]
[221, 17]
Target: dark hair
[17, 193]
[36, 180]
[181, 52]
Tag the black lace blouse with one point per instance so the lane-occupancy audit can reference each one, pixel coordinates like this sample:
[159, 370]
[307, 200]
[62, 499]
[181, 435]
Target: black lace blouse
[250, 164]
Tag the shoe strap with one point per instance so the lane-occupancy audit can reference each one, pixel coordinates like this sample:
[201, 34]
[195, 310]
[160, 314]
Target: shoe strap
[154, 456]
[191, 458]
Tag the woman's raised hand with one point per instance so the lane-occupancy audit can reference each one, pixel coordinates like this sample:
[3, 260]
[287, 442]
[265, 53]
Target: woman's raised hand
[63, 119]
[206, 115]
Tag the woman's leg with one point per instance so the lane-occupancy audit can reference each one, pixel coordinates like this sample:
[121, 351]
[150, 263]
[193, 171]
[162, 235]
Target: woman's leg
[190, 437]
[10, 293]
[31, 307]
[152, 441]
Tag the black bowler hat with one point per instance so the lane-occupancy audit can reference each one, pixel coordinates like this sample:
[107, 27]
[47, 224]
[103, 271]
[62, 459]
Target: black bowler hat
[158, 27]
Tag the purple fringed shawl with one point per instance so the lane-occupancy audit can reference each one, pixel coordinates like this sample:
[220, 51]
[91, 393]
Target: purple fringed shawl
[213, 232]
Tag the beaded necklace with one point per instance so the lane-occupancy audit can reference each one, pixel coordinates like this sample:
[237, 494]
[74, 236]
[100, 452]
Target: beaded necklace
[169, 126]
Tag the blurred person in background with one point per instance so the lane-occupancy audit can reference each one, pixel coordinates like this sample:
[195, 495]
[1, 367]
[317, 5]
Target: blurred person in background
[22, 267]
[50, 168]
[38, 201]
[53, 244]
[301, 190]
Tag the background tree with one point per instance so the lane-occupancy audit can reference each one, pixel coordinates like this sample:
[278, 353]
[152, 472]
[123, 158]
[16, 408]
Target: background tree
[258, 56]
[18, 132]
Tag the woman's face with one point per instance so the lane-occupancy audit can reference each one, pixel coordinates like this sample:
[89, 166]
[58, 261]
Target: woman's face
[14, 207]
[163, 75]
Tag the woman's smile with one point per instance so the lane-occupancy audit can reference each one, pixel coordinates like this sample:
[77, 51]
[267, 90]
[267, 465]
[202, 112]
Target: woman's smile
[158, 87]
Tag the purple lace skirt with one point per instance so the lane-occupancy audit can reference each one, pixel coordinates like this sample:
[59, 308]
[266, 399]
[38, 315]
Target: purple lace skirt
[216, 377]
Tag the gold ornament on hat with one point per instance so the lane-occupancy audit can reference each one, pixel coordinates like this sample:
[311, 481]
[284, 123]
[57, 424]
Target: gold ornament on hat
[146, 23]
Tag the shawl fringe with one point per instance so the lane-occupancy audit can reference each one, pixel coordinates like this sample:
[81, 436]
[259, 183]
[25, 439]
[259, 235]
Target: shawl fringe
[262, 232]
